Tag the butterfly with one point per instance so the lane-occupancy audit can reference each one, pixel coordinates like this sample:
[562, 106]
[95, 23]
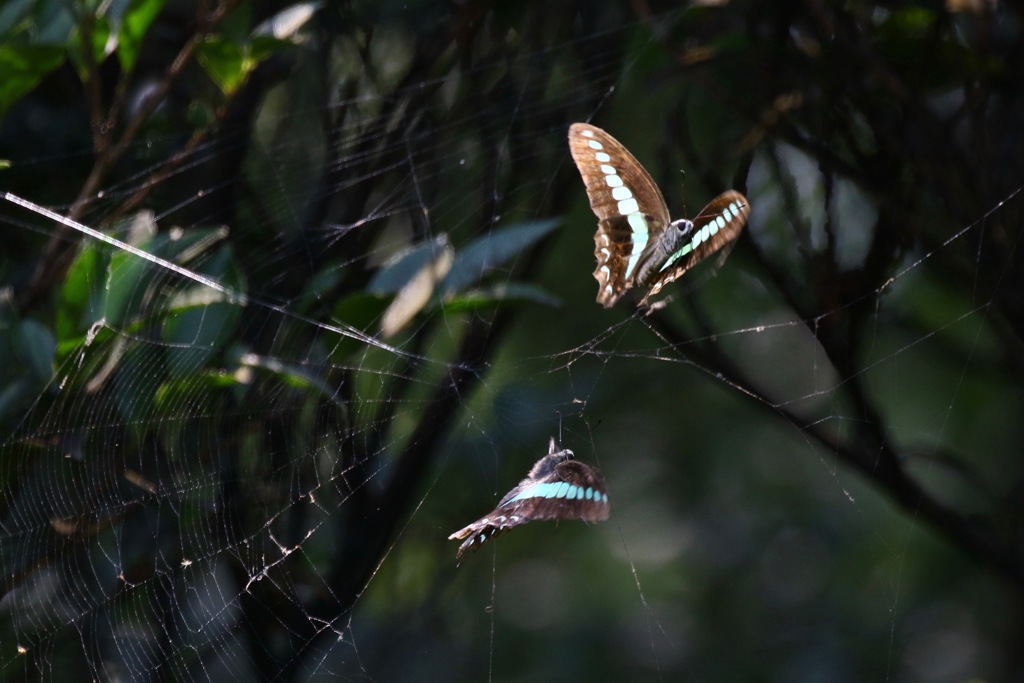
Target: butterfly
[557, 487]
[637, 244]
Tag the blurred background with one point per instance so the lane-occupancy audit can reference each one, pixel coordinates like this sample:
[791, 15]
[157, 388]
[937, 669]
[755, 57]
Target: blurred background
[369, 304]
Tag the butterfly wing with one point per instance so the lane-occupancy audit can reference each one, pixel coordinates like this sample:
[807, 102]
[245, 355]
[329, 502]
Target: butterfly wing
[493, 523]
[716, 226]
[571, 490]
[575, 490]
[630, 208]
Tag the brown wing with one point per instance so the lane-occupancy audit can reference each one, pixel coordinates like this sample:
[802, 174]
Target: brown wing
[490, 525]
[614, 244]
[582, 137]
[574, 490]
[624, 197]
[716, 226]
[585, 478]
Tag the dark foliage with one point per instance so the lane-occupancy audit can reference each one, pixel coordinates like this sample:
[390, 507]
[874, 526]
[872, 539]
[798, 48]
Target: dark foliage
[241, 481]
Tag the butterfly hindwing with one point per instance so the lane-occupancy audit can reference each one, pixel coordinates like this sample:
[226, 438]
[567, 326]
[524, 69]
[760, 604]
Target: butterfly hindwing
[557, 487]
[611, 249]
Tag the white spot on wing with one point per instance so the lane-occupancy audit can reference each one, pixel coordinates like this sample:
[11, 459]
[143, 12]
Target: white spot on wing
[594, 144]
[613, 181]
[608, 170]
[639, 225]
[628, 206]
[602, 157]
[640, 235]
[587, 133]
[620, 193]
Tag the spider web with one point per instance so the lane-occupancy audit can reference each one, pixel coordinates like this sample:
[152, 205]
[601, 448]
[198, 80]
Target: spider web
[245, 424]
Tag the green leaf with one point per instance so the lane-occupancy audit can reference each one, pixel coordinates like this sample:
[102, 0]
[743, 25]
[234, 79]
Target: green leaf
[15, 395]
[201, 391]
[908, 22]
[262, 47]
[199, 321]
[294, 375]
[127, 296]
[127, 281]
[359, 311]
[491, 251]
[195, 332]
[76, 309]
[99, 38]
[37, 22]
[229, 61]
[137, 371]
[23, 66]
[512, 292]
[402, 267]
[12, 13]
[137, 19]
[225, 62]
[416, 293]
[36, 347]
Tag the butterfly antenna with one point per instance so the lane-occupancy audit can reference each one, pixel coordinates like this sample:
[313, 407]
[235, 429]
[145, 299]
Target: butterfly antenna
[559, 414]
[683, 184]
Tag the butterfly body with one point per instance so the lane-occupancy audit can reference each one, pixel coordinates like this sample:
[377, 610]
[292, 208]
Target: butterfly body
[557, 487]
[636, 243]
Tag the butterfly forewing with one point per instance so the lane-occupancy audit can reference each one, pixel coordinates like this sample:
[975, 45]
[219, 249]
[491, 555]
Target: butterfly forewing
[630, 208]
[716, 226]
[601, 159]
[545, 499]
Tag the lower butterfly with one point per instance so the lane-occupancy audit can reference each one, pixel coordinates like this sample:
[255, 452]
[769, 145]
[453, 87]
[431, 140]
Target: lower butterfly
[637, 244]
[557, 487]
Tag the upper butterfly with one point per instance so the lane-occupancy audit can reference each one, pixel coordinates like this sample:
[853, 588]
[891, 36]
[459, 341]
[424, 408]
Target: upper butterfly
[636, 243]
